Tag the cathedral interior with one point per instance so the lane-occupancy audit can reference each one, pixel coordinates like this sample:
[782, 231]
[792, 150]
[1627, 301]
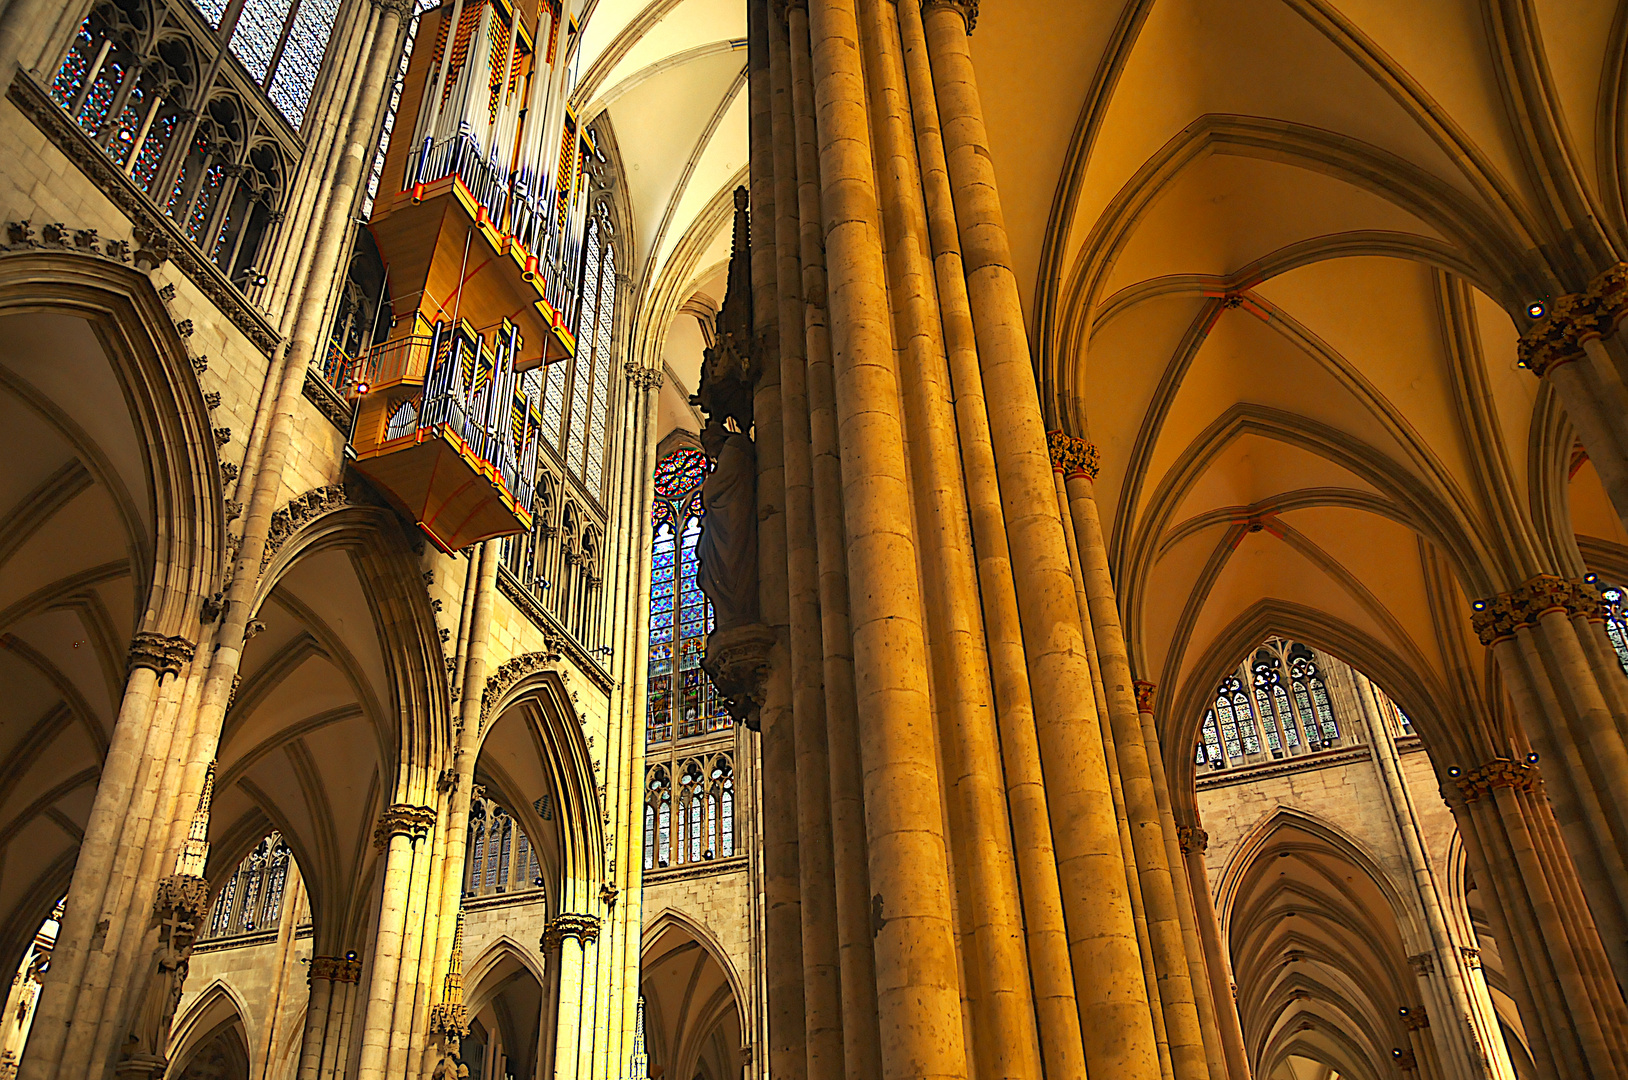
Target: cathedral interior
[814, 539]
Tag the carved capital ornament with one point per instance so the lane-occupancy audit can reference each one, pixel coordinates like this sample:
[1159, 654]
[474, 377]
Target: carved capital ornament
[1575, 319]
[403, 819]
[1073, 456]
[1496, 618]
[165, 655]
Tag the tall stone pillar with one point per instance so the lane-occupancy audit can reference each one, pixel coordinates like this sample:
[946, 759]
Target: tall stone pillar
[402, 829]
[569, 941]
[1194, 841]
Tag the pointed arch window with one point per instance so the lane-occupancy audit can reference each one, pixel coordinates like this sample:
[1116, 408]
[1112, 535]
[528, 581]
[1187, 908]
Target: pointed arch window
[680, 695]
[658, 819]
[1311, 694]
[500, 856]
[576, 393]
[252, 898]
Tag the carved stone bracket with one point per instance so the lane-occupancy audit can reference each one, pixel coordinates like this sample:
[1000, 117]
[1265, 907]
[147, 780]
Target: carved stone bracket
[1415, 1018]
[738, 662]
[1497, 618]
[1144, 696]
[403, 819]
[1191, 838]
[165, 655]
[1423, 963]
[1574, 319]
[1073, 456]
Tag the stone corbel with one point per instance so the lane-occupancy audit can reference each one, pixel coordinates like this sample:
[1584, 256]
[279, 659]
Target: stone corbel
[1073, 456]
[1191, 838]
[738, 662]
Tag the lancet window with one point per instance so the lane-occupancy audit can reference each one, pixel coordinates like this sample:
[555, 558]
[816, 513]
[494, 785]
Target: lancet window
[252, 898]
[130, 82]
[1275, 704]
[501, 857]
[577, 393]
[680, 701]
[690, 821]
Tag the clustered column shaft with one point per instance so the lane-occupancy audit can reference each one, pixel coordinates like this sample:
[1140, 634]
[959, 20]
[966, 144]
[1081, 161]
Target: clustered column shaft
[963, 884]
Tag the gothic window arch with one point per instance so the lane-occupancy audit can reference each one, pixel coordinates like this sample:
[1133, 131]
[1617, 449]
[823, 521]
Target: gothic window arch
[577, 393]
[691, 820]
[680, 696]
[280, 45]
[500, 858]
[1311, 695]
[252, 898]
[658, 819]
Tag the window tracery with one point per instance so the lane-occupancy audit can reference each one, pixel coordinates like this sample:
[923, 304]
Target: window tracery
[129, 81]
[252, 898]
[1275, 704]
[1614, 601]
[501, 857]
[577, 393]
[680, 695]
[695, 823]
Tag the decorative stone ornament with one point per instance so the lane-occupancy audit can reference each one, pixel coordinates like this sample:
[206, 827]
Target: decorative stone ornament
[584, 928]
[1497, 773]
[165, 655]
[738, 662]
[1073, 456]
[967, 9]
[339, 969]
[1575, 319]
[403, 819]
[1191, 838]
[1498, 617]
[1144, 696]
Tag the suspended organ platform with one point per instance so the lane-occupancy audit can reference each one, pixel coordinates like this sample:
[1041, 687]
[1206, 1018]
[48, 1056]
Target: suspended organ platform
[482, 245]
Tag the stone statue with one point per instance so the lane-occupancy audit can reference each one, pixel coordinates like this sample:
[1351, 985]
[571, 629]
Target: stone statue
[727, 550]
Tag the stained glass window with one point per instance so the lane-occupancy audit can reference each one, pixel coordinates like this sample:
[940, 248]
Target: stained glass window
[1616, 621]
[1209, 749]
[501, 857]
[290, 87]
[252, 898]
[680, 614]
[71, 75]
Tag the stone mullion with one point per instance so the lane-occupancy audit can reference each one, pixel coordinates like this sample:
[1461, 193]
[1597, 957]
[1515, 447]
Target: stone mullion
[861, 1037]
[121, 98]
[822, 964]
[92, 73]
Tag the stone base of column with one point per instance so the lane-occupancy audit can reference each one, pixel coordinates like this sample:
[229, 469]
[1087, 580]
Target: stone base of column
[738, 661]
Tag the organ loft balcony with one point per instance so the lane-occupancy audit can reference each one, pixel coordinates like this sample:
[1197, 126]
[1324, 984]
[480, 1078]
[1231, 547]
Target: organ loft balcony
[446, 408]
[449, 429]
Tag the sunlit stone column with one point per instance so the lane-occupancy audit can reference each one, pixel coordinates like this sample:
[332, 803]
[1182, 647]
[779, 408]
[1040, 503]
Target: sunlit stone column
[1194, 841]
[401, 829]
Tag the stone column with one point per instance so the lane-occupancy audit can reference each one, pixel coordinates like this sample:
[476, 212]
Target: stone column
[482, 586]
[851, 878]
[1559, 976]
[1217, 958]
[822, 990]
[402, 827]
[1118, 1030]
[87, 917]
[336, 1042]
[1051, 970]
[1464, 1057]
[573, 992]
[917, 977]
[321, 1012]
[1187, 1056]
[1214, 1051]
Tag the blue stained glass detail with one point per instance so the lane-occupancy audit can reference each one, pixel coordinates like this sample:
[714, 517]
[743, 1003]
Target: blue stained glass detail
[680, 473]
[297, 71]
[212, 10]
[254, 38]
[129, 123]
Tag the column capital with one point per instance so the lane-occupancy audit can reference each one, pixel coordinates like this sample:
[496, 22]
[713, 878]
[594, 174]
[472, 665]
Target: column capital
[1573, 319]
[1414, 1017]
[1144, 696]
[1423, 963]
[1497, 773]
[165, 655]
[403, 819]
[584, 928]
[967, 9]
[1072, 456]
[1472, 955]
[340, 969]
[1496, 618]
[642, 377]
